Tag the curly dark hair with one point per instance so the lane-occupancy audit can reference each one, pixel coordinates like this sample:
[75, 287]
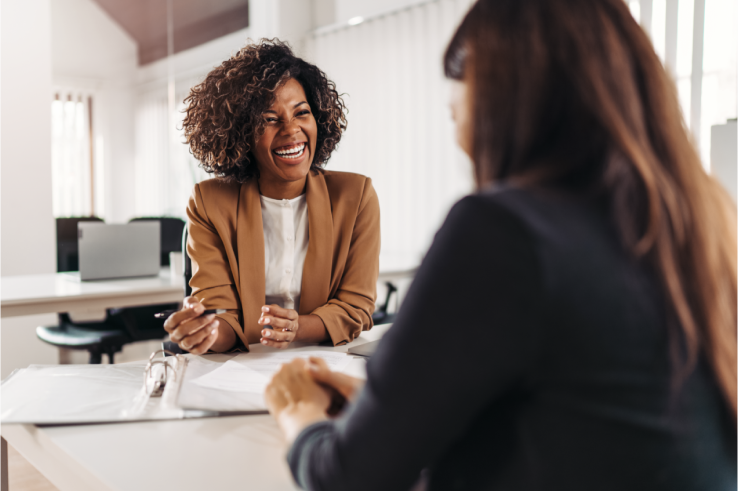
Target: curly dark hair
[224, 112]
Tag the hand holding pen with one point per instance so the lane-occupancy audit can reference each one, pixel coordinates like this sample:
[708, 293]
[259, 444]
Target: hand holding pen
[193, 328]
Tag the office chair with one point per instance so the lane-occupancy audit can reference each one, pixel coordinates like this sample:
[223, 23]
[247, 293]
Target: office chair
[382, 315]
[120, 326]
[187, 269]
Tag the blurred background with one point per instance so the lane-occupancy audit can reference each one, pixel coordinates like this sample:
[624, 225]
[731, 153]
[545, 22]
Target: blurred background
[92, 97]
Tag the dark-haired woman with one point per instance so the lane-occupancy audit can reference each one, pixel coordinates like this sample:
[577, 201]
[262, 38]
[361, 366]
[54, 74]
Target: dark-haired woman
[590, 284]
[290, 251]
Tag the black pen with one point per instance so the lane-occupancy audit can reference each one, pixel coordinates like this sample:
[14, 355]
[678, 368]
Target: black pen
[167, 313]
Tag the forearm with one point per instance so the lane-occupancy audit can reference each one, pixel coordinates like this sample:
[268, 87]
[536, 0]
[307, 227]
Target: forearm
[311, 330]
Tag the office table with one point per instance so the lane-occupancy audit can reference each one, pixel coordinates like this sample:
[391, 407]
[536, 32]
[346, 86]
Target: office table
[209, 453]
[64, 292]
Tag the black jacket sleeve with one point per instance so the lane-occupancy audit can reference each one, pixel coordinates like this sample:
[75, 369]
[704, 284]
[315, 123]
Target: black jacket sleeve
[466, 334]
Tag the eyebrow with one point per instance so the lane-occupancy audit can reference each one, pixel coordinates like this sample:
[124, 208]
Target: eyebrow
[293, 107]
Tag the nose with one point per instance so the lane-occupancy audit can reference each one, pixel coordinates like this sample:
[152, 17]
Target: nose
[290, 128]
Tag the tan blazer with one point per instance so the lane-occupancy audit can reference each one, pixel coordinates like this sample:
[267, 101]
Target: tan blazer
[226, 244]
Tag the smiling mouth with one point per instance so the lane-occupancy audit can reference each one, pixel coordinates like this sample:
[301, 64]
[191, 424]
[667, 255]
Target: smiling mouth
[291, 151]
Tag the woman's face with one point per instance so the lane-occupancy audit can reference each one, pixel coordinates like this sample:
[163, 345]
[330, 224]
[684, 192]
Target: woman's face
[286, 149]
[461, 114]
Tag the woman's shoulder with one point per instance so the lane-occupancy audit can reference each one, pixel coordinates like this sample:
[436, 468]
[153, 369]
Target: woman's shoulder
[348, 186]
[216, 189]
[215, 197]
[345, 180]
[217, 185]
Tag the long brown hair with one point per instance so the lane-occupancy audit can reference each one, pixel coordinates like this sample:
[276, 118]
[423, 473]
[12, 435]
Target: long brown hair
[571, 93]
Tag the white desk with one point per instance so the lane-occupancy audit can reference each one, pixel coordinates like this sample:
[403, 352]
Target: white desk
[62, 292]
[218, 453]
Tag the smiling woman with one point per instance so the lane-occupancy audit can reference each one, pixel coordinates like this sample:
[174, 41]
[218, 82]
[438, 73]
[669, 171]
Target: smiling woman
[290, 251]
[232, 108]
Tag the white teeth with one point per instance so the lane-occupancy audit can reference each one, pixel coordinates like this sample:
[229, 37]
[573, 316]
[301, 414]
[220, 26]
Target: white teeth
[292, 153]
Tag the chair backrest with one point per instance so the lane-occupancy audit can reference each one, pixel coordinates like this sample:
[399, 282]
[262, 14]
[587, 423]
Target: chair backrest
[67, 248]
[187, 266]
[171, 234]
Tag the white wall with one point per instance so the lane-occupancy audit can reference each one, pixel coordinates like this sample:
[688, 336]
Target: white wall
[28, 233]
[91, 51]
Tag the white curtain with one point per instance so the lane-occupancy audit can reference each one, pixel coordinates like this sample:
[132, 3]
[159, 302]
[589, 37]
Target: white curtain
[71, 166]
[400, 131]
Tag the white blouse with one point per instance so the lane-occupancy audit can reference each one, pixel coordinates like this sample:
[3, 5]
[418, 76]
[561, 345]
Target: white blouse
[285, 246]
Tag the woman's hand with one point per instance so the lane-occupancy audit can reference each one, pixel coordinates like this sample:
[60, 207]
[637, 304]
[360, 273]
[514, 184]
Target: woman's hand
[287, 326]
[295, 399]
[190, 331]
[284, 325]
[346, 386]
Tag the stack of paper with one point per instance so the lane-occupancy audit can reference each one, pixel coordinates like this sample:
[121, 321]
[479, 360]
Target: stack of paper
[239, 383]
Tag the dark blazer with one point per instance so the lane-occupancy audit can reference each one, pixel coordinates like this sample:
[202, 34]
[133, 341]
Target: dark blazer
[530, 353]
[339, 279]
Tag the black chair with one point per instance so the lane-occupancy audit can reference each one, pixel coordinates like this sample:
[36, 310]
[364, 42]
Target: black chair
[120, 326]
[186, 264]
[187, 269]
[382, 315]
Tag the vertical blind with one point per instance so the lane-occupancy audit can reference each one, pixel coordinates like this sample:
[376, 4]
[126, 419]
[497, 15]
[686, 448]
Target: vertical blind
[400, 131]
[686, 24]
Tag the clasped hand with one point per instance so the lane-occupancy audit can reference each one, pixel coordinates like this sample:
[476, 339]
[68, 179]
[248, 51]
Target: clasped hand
[303, 392]
[284, 324]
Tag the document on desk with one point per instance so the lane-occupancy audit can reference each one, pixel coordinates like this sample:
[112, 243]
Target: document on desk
[234, 377]
[239, 383]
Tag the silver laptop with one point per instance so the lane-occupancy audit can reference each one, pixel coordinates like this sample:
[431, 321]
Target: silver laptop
[118, 250]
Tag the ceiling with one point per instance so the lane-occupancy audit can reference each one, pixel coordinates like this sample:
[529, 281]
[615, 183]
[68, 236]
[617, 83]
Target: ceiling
[195, 22]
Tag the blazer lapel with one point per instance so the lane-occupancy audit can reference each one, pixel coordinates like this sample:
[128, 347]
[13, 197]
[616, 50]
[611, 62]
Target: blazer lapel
[316, 273]
[250, 234]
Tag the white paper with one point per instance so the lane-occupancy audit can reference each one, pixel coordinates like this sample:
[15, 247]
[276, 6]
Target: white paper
[269, 363]
[252, 372]
[234, 377]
